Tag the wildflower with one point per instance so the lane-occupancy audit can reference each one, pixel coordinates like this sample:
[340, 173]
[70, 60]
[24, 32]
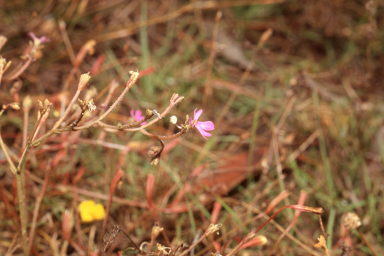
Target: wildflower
[202, 127]
[90, 211]
[136, 114]
[38, 41]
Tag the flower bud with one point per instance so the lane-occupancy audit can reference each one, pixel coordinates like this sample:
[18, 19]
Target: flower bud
[90, 46]
[40, 104]
[148, 113]
[84, 79]
[173, 119]
[27, 103]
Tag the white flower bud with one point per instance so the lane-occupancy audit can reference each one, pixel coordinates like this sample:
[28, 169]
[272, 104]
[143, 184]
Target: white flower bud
[173, 119]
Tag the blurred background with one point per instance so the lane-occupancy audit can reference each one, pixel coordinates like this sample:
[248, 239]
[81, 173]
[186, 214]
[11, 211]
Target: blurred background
[294, 88]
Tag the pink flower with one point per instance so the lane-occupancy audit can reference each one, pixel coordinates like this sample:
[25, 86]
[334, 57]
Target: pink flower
[202, 127]
[37, 41]
[136, 114]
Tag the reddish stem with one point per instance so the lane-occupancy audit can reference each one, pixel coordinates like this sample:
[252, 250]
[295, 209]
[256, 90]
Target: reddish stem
[148, 193]
[115, 180]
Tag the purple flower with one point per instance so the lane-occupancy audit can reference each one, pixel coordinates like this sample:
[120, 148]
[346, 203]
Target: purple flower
[37, 41]
[136, 114]
[202, 127]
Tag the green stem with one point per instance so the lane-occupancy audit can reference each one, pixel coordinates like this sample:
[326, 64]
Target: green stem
[23, 212]
[20, 196]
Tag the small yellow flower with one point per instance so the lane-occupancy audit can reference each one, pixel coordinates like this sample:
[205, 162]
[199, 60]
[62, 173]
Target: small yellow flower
[90, 211]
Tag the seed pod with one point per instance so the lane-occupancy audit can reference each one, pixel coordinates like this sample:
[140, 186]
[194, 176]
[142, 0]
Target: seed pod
[154, 150]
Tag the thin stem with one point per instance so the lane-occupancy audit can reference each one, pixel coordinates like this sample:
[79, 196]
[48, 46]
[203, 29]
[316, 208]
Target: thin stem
[20, 71]
[20, 196]
[124, 126]
[163, 137]
[134, 244]
[23, 212]
[130, 83]
[37, 207]
[367, 243]
[69, 109]
[10, 162]
[25, 128]
[193, 245]
[175, 99]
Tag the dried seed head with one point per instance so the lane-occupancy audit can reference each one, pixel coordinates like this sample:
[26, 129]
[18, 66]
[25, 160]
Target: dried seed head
[163, 249]
[154, 150]
[156, 231]
[212, 229]
[321, 242]
[350, 220]
[91, 105]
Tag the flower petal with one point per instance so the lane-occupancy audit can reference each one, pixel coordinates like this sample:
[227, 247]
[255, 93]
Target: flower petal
[198, 114]
[202, 132]
[132, 112]
[32, 35]
[208, 125]
[138, 115]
